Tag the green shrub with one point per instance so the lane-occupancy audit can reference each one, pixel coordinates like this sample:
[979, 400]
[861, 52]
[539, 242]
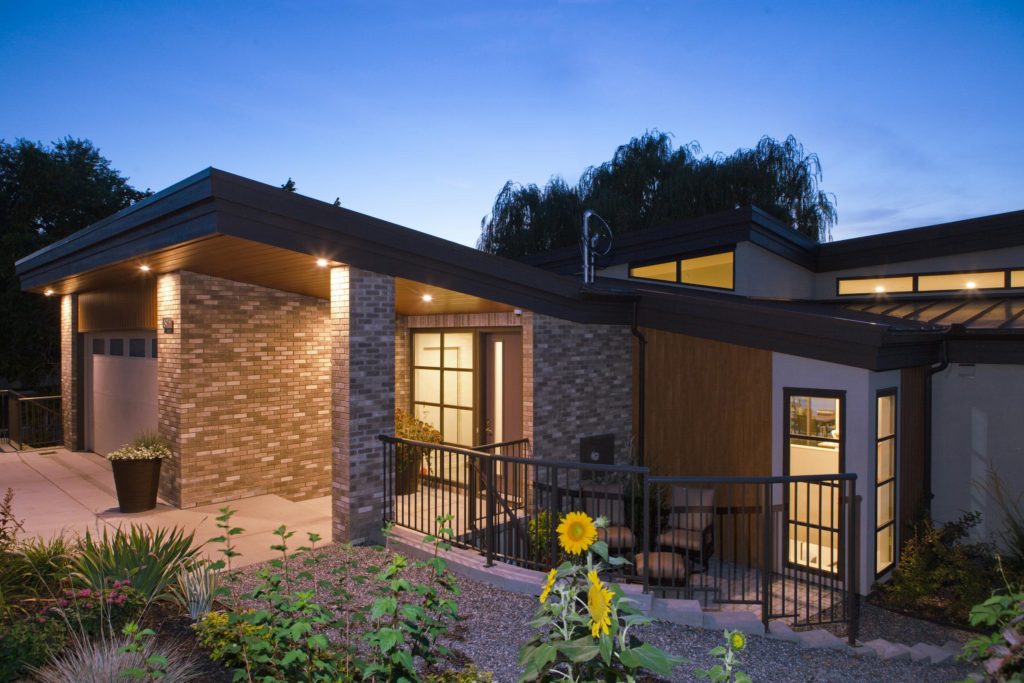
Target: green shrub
[1002, 649]
[148, 558]
[47, 563]
[470, 674]
[98, 613]
[28, 641]
[221, 636]
[541, 532]
[10, 526]
[940, 575]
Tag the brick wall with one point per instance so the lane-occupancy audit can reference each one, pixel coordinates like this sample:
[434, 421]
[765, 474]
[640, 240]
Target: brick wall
[244, 391]
[582, 385]
[362, 333]
[70, 372]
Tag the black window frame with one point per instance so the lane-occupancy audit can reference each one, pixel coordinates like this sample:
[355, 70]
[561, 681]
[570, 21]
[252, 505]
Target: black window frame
[678, 259]
[915, 287]
[894, 480]
[474, 371]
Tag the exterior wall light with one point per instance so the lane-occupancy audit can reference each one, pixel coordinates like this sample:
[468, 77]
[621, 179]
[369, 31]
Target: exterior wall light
[427, 298]
[144, 268]
[48, 292]
[322, 262]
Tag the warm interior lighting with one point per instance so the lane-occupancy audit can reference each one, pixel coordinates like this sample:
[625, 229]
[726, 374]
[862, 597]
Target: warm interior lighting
[48, 292]
[427, 298]
[144, 268]
[971, 284]
[879, 289]
[322, 262]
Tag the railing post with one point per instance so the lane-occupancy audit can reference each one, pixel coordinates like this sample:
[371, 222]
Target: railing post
[14, 421]
[766, 551]
[853, 609]
[647, 533]
[490, 528]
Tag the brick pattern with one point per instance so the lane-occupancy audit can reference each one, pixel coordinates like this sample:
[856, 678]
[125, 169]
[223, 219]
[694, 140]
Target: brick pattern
[244, 387]
[169, 382]
[362, 333]
[582, 385]
[70, 372]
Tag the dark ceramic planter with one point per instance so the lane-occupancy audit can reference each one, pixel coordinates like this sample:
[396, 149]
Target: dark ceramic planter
[136, 482]
[407, 470]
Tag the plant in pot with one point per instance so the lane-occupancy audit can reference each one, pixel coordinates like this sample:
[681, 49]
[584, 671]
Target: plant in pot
[137, 471]
[412, 461]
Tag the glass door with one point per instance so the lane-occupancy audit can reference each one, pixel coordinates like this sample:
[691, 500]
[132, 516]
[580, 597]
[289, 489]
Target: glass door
[443, 384]
[814, 445]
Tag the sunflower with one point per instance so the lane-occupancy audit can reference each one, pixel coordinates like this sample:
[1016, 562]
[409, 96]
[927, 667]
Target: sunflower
[576, 532]
[599, 602]
[548, 585]
[737, 640]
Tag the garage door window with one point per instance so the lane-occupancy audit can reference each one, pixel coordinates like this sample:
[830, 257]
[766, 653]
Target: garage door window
[99, 347]
[137, 348]
[117, 347]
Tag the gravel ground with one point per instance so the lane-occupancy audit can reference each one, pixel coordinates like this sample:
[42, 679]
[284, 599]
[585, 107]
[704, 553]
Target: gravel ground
[493, 623]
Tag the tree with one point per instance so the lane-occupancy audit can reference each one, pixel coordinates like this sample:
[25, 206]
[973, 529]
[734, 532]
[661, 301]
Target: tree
[46, 193]
[289, 185]
[649, 183]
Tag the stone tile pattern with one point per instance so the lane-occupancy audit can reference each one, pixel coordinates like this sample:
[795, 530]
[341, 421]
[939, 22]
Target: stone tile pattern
[70, 373]
[362, 333]
[582, 385]
[244, 385]
[403, 324]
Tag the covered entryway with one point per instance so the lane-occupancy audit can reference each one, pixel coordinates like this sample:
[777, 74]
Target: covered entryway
[120, 388]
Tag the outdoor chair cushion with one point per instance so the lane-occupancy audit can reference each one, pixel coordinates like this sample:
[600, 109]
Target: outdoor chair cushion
[692, 508]
[683, 539]
[617, 537]
[664, 566]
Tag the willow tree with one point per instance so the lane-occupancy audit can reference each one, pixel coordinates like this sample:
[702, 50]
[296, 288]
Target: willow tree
[649, 183]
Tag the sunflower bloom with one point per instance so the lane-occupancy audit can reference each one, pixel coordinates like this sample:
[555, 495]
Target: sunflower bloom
[548, 586]
[738, 641]
[599, 603]
[576, 532]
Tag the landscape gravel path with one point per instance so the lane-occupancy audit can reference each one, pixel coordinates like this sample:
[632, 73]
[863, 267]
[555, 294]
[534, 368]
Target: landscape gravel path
[493, 623]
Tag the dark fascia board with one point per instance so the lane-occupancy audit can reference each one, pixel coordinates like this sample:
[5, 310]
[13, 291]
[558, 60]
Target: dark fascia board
[959, 237]
[981, 349]
[723, 230]
[215, 202]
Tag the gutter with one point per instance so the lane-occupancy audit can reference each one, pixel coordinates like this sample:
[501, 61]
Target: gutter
[641, 383]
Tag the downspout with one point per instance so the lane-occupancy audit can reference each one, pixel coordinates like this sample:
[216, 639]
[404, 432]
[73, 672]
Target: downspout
[641, 384]
[932, 371]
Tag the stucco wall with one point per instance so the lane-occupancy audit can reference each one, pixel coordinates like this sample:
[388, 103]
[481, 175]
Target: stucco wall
[582, 385]
[244, 390]
[976, 426]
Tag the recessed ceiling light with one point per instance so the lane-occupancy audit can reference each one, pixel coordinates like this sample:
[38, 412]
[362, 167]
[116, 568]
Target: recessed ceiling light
[879, 288]
[427, 298]
[144, 269]
[322, 262]
[48, 292]
[971, 284]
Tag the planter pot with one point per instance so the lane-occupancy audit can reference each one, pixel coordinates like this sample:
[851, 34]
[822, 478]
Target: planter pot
[407, 476]
[136, 482]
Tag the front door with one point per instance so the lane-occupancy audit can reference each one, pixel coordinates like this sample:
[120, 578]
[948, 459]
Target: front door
[502, 387]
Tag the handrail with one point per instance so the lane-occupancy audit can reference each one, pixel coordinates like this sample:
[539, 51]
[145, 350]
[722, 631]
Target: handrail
[703, 479]
[503, 444]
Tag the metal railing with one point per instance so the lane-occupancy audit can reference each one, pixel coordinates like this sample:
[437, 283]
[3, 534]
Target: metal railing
[786, 545]
[30, 421]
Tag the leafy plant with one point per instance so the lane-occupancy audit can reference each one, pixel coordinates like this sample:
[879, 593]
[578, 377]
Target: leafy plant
[725, 671]
[27, 642]
[541, 533]
[227, 546]
[1002, 650]
[96, 613]
[145, 446]
[10, 526]
[583, 625]
[46, 562]
[220, 637]
[196, 588]
[154, 666]
[149, 558]
[940, 575]
[413, 429]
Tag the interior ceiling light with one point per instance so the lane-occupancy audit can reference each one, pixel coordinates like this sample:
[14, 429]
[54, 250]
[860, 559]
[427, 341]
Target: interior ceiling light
[322, 262]
[48, 292]
[879, 288]
[427, 298]
[971, 284]
[144, 268]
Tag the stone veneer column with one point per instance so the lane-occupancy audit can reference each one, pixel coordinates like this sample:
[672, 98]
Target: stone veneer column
[362, 398]
[70, 371]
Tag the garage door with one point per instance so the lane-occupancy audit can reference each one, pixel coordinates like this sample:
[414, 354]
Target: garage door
[120, 388]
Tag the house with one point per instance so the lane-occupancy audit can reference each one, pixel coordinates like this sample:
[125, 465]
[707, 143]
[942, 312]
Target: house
[271, 337]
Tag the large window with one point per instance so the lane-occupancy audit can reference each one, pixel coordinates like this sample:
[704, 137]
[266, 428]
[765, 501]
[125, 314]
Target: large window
[813, 445]
[885, 482]
[442, 383]
[930, 282]
[709, 270]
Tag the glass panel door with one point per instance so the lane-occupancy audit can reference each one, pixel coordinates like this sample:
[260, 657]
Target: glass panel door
[813, 446]
[443, 383]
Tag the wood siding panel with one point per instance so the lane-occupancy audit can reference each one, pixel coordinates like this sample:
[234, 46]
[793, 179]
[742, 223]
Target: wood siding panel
[708, 407]
[132, 307]
[912, 443]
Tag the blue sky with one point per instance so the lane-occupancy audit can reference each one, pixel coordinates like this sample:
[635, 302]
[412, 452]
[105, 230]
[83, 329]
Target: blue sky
[418, 112]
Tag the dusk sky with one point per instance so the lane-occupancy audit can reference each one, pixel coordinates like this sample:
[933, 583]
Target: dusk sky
[418, 112]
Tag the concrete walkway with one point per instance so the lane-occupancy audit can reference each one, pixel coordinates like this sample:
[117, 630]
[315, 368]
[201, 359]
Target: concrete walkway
[60, 492]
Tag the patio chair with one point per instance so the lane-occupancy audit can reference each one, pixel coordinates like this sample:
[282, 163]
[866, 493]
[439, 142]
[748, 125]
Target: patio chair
[667, 569]
[608, 500]
[691, 525]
